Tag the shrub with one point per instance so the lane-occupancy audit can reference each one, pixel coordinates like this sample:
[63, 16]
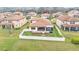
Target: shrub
[16, 28]
[75, 40]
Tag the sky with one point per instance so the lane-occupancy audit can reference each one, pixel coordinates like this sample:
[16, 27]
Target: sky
[39, 3]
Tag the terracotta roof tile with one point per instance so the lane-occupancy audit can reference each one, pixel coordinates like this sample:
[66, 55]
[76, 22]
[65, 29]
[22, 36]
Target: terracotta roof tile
[11, 16]
[39, 22]
[67, 18]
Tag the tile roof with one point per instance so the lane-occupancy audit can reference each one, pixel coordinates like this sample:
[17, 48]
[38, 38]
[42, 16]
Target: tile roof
[11, 16]
[67, 18]
[18, 13]
[40, 22]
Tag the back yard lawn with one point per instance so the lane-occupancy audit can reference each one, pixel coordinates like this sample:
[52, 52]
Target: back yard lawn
[11, 42]
[53, 34]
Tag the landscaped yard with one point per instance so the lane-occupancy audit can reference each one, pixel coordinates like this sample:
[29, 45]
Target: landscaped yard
[54, 33]
[12, 42]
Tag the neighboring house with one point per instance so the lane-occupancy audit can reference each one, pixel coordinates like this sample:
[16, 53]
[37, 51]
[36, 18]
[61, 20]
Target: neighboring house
[12, 20]
[31, 14]
[18, 13]
[68, 23]
[40, 25]
[57, 14]
[73, 13]
[45, 15]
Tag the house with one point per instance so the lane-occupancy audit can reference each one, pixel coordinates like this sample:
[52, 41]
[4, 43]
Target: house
[68, 23]
[12, 20]
[18, 13]
[57, 14]
[73, 13]
[45, 15]
[31, 14]
[40, 25]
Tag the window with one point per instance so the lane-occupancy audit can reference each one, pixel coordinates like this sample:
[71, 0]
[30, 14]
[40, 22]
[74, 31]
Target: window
[72, 22]
[33, 28]
[49, 29]
[76, 15]
[41, 28]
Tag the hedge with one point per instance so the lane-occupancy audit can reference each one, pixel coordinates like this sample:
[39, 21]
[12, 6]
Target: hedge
[75, 40]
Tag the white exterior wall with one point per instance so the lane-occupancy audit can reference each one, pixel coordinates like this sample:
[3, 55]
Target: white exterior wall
[66, 22]
[16, 24]
[19, 23]
[59, 23]
[36, 30]
[70, 14]
[33, 29]
[69, 23]
[44, 17]
[2, 22]
[76, 22]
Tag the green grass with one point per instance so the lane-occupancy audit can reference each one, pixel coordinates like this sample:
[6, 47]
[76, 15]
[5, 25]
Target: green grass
[70, 35]
[7, 40]
[53, 34]
[11, 42]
